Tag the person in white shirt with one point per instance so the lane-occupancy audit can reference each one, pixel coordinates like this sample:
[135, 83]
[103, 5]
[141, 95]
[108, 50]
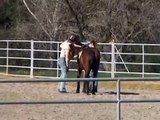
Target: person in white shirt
[63, 61]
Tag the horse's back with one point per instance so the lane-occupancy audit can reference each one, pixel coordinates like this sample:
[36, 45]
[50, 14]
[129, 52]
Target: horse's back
[92, 56]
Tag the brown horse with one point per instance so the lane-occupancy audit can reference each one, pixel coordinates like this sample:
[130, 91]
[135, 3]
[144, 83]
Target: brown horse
[88, 59]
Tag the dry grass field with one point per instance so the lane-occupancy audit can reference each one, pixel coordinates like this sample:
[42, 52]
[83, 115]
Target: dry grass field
[101, 111]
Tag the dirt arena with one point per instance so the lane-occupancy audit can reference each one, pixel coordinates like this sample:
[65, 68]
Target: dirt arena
[48, 91]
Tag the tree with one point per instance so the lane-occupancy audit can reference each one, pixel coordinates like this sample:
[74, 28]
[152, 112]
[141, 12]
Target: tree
[7, 19]
[45, 12]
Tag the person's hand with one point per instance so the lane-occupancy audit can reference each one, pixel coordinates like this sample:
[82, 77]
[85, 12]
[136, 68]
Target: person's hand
[85, 45]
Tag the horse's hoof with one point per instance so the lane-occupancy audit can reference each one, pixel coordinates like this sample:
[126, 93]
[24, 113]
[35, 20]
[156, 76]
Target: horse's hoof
[77, 91]
[93, 93]
[84, 91]
[88, 93]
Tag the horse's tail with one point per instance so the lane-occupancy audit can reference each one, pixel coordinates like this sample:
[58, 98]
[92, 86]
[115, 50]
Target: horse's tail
[96, 63]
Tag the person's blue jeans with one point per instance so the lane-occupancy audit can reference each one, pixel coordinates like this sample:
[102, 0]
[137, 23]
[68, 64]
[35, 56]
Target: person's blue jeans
[63, 67]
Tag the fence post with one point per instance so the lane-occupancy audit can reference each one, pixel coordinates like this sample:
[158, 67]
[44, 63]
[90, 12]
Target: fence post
[7, 57]
[32, 59]
[58, 49]
[118, 100]
[112, 60]
[143, 60]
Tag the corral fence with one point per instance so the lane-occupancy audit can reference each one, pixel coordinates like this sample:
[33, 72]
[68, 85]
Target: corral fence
[29, 57]
[26, 57]
[117, 101]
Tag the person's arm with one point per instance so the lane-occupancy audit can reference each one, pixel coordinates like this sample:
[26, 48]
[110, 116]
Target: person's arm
[77, 45]
[67, 59]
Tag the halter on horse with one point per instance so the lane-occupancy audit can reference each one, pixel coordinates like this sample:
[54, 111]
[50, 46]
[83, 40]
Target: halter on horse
[88, 59]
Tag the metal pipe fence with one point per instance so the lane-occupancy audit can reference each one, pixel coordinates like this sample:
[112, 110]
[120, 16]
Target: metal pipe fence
[120, 58]
[133, 59]
[120, 62]
[117, 101]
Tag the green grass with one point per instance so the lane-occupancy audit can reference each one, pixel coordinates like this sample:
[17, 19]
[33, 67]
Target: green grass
[71, 74]
[19, 71]
[132, 85]
[107, 84]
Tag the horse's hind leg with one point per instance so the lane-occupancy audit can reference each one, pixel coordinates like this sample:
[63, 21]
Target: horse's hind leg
[95, 83]
[78, 82]
[86, 83]
[86, 87]
[78, 87]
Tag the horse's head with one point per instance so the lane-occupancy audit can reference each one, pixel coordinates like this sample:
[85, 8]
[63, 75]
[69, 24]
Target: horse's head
[75, 39]
[75, 48]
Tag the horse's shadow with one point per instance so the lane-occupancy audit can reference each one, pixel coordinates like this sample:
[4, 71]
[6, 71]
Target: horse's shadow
[122, 93]
[111, 93]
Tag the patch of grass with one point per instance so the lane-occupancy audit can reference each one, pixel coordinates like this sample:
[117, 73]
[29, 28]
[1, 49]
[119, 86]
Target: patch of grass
[140, 85]
[19, 71]
[3, 70]
[108, 84]
[49, 73]
[127, 75]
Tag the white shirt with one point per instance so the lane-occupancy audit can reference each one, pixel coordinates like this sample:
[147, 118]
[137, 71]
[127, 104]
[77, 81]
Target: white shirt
[65, 47]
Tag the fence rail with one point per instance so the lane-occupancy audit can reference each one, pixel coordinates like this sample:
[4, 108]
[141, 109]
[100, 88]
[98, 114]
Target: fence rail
[135, 59]
[117, 58]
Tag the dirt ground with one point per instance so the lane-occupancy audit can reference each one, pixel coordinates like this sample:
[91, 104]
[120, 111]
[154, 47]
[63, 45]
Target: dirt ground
[98, 111]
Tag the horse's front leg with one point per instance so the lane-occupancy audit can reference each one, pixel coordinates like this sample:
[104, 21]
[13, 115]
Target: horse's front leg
[78, 82]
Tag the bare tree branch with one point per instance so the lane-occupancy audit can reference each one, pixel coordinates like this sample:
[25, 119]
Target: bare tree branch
[35, 17]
